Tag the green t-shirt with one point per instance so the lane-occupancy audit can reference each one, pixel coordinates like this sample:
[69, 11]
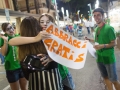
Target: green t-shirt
[63, 71]
[107, 34]
[11, 62]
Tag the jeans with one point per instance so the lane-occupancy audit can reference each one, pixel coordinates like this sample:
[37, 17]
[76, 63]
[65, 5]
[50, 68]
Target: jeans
[14, 75]
[88, 29]
[2, 58]
[108, 70]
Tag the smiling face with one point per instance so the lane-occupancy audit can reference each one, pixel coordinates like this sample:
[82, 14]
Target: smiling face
[44, 21]
[98, 17]
[9, 30]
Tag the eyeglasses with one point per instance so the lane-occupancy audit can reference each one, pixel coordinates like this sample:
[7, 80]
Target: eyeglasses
[9, 28]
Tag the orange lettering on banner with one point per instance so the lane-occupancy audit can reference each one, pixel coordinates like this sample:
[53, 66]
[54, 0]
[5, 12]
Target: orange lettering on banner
[70, 40]
[56, 32]
[59, 51]
[75, 43]
[55, 44]
[66, 50]
[61, 35]
[78, 46]
[48, 42]
[50, 29]
[71, 57]
[84, 46]
[80, 58]
[65, 37]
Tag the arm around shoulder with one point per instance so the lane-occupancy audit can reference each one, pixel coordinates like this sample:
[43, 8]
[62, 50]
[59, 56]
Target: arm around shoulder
[22, 40]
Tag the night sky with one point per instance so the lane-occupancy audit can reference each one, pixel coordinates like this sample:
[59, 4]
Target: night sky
[74, 5]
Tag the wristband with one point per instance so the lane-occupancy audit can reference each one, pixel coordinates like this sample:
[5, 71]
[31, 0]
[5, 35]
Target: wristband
[104, 46]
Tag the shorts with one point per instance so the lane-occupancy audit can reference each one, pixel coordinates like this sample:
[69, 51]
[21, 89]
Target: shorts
[14, 75]
[108, 70]
[68, 81]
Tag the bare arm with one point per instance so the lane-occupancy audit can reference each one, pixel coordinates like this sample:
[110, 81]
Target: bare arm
[91, 40]
[5, 45]
[27, 40]
[4, 48]
[111, 44]
[22, 40]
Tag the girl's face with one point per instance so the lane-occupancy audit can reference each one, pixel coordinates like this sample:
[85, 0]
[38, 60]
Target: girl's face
[9, 30]
[44, 21]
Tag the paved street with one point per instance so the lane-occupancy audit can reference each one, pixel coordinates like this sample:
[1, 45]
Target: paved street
[87, 78]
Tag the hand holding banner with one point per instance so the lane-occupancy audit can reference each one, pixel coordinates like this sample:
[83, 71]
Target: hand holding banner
[65, 49]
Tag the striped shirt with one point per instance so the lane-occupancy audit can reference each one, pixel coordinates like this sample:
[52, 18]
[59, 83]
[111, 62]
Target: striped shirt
[45, 80]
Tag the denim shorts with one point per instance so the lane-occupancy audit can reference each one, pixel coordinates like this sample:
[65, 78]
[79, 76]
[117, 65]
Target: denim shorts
[108, 70]
[14, 75]
[68, 81]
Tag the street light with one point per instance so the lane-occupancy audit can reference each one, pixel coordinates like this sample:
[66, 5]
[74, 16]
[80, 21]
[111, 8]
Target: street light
[62, 9]
[90, 10]
[56, 13]
[97, 4]
[89, 14]
[78, 14]
[67, 13]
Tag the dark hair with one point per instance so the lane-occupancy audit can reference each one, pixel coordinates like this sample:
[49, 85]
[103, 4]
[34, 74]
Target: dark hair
[99, 10]
[4, 26]
[30, 27]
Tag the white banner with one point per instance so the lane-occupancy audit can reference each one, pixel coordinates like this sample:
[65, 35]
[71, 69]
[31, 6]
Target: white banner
[65, 49]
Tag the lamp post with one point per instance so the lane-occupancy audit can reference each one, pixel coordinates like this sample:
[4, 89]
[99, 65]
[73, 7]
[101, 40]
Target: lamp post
[67, 13]
[90, 11]
[89, 14]
[62, 9]
[97, 4]
[78, 14]
[56, 13]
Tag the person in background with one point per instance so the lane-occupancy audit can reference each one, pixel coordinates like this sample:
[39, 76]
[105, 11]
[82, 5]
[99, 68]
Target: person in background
[104, 45]
[92, 28]
[13, 69]
[67, 28]
[87, 25]
[71, 29]
[75, 28]
[30, 43]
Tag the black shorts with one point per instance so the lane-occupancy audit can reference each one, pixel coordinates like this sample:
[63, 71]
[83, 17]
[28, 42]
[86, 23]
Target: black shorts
[14, 75]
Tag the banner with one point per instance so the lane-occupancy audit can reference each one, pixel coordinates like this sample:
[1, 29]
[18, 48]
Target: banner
[65, 49]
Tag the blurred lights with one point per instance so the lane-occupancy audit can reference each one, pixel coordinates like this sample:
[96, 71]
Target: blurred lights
[62, 9]
[97, 4]
[67, 13]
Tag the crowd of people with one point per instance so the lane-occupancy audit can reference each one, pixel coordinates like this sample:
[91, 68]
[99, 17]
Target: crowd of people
[17, 48]
[78, 28]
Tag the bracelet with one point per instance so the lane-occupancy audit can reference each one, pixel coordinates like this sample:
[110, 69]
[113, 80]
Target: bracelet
[104, 46]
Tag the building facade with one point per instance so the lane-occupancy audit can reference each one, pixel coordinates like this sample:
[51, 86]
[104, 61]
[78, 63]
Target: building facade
[28, 6]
